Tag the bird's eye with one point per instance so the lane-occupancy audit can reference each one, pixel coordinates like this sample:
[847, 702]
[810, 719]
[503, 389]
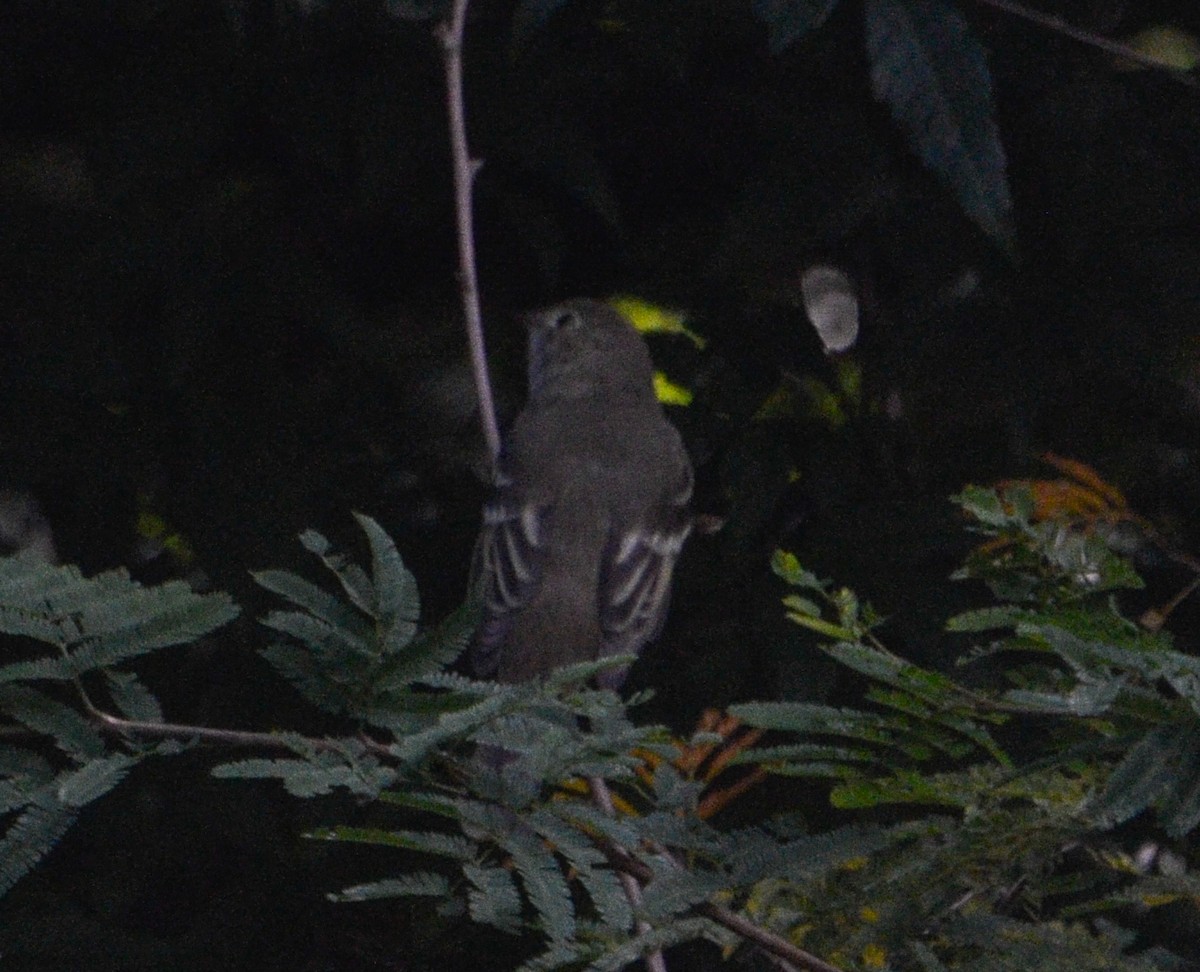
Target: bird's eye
[565, 319]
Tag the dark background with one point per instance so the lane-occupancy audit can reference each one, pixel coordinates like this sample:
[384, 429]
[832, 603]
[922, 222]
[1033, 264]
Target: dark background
[228, 298]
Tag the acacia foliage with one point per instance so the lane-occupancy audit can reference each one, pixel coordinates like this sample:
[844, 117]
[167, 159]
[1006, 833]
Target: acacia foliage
[974, 825]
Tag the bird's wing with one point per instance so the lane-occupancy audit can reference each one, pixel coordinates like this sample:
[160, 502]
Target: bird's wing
[507, 568]
[635, 574]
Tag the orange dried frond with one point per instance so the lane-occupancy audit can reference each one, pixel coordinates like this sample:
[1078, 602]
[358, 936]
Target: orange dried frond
[651, 759]
[730, 750]
[710, 760]
[1085, 475]
[575, 787]
[1058, 499]
[692, 757]
[1084, 495]
[716, 800]
[650, 762]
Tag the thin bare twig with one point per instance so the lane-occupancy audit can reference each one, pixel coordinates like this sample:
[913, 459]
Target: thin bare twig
[767, 940]
[1060, 26]
[226, 737]
[630, 884]
[450, 36]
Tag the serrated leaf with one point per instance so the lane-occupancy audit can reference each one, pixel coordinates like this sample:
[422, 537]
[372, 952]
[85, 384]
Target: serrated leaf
[315, 601]
[94, 779]
[1085, 700]
[71, 732]
[423, 884]
[397, 605]
[317, 634]
[354, 579]
[543, 881]
[308, 778]
[28, 838]
[932, 73]
[132, 698]
[674, 891]
[451, 846]
[590, 866]
[494, 899]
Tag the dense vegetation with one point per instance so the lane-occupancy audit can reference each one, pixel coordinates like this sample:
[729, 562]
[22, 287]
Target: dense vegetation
[230, 305]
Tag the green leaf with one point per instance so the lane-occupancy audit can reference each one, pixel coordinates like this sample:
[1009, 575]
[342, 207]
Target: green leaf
[494, 899]
[451, 846]
[989, 618]
[807, 717]
[398, 605]
[354, 579]
[985, 505]
[787, 566]
[426, 654]
[542, 879]
[826, 628]
[932, 73]
[591, 868]
[71, 732]
[131, 697]
[318, 776]
[789, 20]
[1085, 700]
[92, 780]
[320, 637]
[802, 606]
[316, 602]
[675, 891]
[1148, 771]
[421, 884]
[29, 838]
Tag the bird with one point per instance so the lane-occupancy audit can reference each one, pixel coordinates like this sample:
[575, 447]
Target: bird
[590, 505]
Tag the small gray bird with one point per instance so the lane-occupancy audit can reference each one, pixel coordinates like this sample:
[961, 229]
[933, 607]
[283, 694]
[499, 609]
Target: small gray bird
[589, 513]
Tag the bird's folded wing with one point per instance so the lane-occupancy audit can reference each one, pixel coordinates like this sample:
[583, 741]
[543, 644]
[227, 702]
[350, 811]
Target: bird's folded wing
[635, 574]
[507, 570]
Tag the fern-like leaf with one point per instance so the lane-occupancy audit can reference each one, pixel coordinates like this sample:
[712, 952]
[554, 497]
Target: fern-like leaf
[1149, 771]
[421, 884]
[71, 732]
[589, 867]
[398, 604]
[92, 780]
[494, 898]
[29, 838]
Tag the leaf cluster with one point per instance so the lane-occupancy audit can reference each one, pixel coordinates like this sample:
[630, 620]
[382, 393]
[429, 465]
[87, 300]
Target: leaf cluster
[74, 633]
[1021, 784]
[976, 824]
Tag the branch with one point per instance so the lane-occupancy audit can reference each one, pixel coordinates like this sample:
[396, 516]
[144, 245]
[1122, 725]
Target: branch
[768, 941]
[226, 737]
[631, 885]
[450, 36]
[1059, 26]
